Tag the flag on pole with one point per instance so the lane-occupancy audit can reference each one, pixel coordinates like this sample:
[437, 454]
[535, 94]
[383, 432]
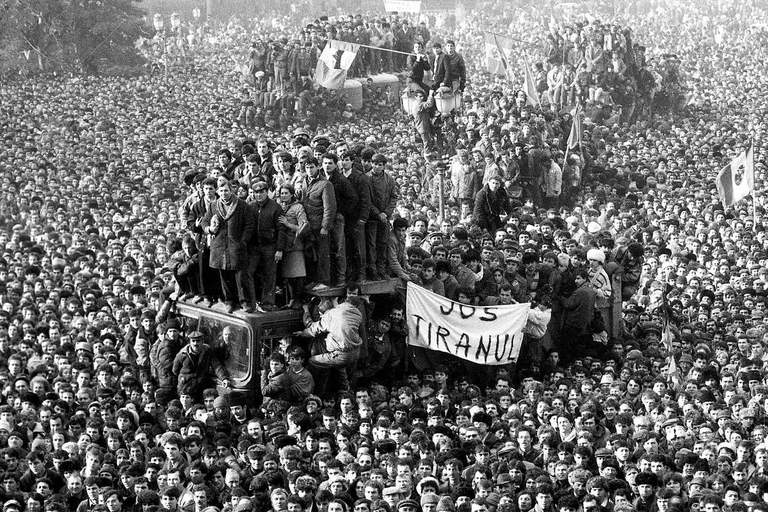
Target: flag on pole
[496, 54]
[502, 57]
[334, 62]
[461, 13]
[577, 130]
[530, 85]
[737, 179]
[674, 374]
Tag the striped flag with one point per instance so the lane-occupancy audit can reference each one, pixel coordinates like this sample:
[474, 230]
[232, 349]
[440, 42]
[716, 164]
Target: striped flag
[530, 85]
[334, 61]
[674, 375]
[502, 57]
[737, 179]
[577, 130]
[496, 58]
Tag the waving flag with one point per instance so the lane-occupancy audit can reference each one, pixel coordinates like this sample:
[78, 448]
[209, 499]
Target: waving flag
[577, 130]
[674, 375]
[496, 54]
[334, 62]
[530, 85]
[737, 179]
[503, 57]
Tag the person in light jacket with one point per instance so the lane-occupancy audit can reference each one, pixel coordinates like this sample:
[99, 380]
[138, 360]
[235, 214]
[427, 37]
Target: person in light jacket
[551, 181]
[339, 351]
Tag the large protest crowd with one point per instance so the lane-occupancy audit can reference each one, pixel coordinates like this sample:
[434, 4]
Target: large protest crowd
[247, 187]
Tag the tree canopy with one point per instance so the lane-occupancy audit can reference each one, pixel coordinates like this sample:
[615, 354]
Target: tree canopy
[69, 35]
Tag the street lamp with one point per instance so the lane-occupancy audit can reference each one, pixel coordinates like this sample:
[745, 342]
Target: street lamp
[179, 40]
[157, 21]
[196, 32]
[447, 101]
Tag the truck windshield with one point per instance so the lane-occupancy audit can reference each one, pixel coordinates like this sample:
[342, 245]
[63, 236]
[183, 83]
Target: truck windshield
[229, 341]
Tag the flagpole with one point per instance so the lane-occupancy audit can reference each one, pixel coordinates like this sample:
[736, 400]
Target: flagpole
[371, 47]
[535, 45]
[754, 188]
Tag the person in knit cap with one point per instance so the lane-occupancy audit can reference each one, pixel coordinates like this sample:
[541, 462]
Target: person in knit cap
[429, 502]
[445, 505]
[491, 202]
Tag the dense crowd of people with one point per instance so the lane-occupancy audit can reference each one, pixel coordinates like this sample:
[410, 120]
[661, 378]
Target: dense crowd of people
[123, 196]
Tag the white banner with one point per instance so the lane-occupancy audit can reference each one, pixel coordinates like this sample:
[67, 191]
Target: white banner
[481, 334]
[402, 5]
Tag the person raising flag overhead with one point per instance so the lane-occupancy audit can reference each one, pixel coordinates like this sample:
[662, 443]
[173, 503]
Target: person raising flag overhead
[737, 179]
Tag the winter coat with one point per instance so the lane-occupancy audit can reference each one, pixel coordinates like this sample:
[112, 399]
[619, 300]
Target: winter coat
[442, 70]
[342, 324]
[489, 206]
[266, 228]
[602, 284]
[397, 262]
[277, 386]
[319, 200]
[295, 214]
[162, 360]
[552, 181]
[579, 309]
[465, 180]
[228, 244]
[385, 193]
[180, 264]
[194, 370]
[347, 200]
[415, 67]
[458, 69]
[362, 185]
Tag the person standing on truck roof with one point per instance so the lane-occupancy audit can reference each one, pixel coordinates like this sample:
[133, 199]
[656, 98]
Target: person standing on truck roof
[337, 354]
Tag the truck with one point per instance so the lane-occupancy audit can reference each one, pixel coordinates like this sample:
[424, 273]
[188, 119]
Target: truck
[244, 341]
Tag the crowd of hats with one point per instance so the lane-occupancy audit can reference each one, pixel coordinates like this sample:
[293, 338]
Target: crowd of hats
[90, 179]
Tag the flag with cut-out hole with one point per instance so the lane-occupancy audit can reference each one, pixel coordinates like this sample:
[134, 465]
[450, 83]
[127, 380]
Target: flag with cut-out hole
[737, 179]
[334, 62]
